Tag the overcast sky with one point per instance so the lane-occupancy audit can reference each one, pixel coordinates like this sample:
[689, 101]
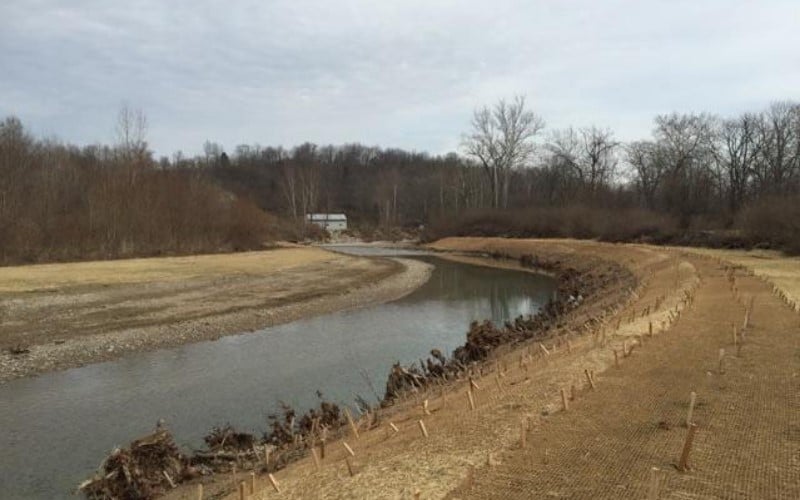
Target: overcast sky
[402, 73]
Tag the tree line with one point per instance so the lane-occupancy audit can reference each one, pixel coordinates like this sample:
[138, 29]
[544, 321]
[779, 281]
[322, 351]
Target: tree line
[697, 172]
[61, 202]
[734, 178]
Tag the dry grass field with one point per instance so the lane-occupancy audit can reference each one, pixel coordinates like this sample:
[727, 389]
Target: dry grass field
[781, 271]
[63, 277]
[521, 442]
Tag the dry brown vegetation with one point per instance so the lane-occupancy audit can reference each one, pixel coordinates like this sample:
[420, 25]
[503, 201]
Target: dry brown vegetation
[67, 277]
[576, 221]
[699, 179]
[777, 269]
[62, 203]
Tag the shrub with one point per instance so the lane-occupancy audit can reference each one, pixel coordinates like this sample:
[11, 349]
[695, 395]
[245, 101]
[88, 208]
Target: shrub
[773, 222]
[576, 221]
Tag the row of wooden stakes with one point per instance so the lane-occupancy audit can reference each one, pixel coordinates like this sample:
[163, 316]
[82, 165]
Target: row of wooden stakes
[246, 489]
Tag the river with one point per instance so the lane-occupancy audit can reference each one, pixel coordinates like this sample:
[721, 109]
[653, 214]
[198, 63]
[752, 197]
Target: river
[56, 428]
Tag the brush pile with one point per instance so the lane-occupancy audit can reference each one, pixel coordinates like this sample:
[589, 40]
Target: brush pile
[148, 468]
[483, 338]
[227, 448]
[153, 465]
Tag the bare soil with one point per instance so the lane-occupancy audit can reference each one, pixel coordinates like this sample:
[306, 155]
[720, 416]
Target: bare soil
[58, 316]
[605, 445]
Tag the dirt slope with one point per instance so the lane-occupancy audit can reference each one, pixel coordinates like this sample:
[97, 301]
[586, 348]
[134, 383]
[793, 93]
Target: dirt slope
[605, 445]
[748, 439]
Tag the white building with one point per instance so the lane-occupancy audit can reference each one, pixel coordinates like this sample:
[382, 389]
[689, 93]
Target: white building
[330, 222]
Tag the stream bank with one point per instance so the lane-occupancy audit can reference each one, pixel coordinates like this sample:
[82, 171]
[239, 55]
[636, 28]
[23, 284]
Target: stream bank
[59, 326]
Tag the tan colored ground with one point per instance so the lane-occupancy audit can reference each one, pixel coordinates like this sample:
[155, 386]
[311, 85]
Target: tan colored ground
[66, 277]
[71, 314]
[604, 446]
[782, 271]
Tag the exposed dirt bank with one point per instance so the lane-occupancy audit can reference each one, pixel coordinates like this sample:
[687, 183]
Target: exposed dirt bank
[66, 315]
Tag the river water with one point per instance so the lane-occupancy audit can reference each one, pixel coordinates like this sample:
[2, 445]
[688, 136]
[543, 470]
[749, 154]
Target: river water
[56, 428]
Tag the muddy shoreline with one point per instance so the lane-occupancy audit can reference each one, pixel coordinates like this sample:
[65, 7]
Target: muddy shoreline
[402, 277]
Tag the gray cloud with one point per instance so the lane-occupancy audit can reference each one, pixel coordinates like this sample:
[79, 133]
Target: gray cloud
[395, 73]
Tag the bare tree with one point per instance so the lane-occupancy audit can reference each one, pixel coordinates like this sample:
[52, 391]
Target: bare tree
[501, 140]
[131, 134]
[685, 144]
[588, 154]
[778, 162]
[212, 152]
[737, 154]
[648, 167]
[290, 185]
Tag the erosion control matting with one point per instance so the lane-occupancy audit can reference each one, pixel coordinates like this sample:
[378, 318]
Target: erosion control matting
[747, 443]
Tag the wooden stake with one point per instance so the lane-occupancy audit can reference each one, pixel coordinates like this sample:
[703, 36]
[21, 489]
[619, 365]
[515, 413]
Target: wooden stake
[242, 493]
[199, 491]
[473, 384]
[422, 428]
[544, 349]
[425, 410]
[589, 379]
[352, 424]
[349, 466]
[564, 402]
[690, 412]
[349, 450]
[683, 465]
[471, 399]
[624, 348]
[650, 328]
[654, 490]
[499, 384]
[394, 427]
[315, 456]
[616, 358]
[252, 483]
